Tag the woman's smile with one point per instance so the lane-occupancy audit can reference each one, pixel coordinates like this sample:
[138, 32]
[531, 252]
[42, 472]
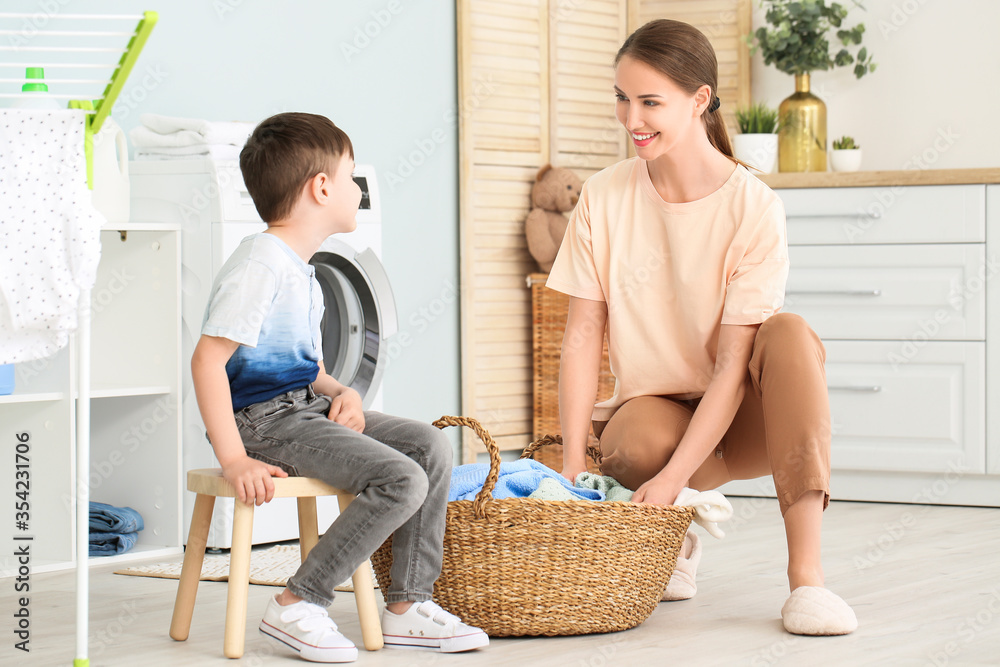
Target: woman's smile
[643, 139]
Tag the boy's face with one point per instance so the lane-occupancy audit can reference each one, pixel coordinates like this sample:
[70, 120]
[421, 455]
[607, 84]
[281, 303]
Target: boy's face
[345, 196]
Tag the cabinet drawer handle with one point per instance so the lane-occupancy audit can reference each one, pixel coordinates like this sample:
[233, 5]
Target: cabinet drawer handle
[870, 389]
[836, 292]
[875, 215]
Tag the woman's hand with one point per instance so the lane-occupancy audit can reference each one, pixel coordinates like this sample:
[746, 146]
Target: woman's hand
[570, 471]
[346, 410]
[658, 491]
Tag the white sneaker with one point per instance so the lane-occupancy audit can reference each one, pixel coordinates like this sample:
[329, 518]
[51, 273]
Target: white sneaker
[308, 629]
[425, 625]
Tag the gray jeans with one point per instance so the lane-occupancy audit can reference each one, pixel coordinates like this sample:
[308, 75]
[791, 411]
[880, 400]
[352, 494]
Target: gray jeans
[400, 470]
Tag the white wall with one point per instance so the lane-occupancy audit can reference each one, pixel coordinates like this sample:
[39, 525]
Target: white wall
[933, 102]
[393, 90]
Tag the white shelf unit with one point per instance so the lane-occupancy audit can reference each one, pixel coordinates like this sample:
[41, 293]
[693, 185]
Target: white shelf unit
[135, 458]
[890, 278]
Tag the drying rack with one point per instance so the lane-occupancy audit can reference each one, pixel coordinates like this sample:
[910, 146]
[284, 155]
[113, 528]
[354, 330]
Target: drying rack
[96, 112]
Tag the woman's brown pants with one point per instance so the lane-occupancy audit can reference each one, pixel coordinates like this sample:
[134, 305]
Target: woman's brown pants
[782, 427]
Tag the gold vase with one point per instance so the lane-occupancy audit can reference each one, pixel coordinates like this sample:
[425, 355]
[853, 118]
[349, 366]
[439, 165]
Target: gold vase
[802, 137]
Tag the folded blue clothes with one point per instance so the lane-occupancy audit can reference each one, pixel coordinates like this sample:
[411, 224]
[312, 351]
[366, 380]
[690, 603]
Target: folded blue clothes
[109, 544]
[106, 518]
[518, 479]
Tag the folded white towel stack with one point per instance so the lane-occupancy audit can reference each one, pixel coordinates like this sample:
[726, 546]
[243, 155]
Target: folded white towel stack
[189, 153]
[168, 137]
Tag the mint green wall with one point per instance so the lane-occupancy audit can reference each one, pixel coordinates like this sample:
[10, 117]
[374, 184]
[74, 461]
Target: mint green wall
[385, 71]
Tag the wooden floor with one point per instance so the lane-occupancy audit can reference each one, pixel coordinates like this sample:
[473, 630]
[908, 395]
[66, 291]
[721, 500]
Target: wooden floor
[924, 581]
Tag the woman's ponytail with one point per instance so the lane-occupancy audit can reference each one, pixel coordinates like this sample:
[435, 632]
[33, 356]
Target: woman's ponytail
[718, 135]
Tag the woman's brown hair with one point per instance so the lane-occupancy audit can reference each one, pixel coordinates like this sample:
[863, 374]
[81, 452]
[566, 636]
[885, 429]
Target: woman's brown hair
[683, 54]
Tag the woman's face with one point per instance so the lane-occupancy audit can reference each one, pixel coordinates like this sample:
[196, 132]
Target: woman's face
[656, 112]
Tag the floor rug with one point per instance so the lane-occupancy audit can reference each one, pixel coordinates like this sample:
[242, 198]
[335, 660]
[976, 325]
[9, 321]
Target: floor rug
[269, 567]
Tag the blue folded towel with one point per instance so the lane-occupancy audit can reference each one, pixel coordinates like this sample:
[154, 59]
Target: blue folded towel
[518, 479]
[113, 530]
[109, 544]
[106, 518]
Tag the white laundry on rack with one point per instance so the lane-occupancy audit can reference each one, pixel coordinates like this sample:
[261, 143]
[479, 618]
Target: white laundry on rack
[50, 241]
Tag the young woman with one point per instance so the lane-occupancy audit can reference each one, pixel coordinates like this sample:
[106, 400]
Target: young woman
[680, 255]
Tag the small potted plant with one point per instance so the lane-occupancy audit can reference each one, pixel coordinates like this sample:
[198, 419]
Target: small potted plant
[846, 154]
[757, 142]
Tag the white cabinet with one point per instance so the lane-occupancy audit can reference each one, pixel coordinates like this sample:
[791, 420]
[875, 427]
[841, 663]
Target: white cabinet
[894, 412]
[897, 280]
[891, 214]
[992, 287]
[135, 418]
[887, 292]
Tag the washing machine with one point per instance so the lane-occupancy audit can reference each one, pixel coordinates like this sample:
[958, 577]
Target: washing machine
[216, 212]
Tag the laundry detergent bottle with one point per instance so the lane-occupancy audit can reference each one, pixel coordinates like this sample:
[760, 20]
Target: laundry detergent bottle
[111, 183]
[36, 92]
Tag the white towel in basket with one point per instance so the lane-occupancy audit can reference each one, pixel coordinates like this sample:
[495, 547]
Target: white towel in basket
[710, 509]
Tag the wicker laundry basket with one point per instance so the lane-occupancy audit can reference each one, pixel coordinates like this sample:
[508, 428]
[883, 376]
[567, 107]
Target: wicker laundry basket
[520, 566]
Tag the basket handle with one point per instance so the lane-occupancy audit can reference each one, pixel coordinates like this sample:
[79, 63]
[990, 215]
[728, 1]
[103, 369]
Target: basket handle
[530, 450]
[486, 493]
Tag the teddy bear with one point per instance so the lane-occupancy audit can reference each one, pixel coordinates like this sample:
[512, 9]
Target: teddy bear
[555, 193]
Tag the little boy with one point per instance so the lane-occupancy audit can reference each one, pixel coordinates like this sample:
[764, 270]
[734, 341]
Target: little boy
[271, 409]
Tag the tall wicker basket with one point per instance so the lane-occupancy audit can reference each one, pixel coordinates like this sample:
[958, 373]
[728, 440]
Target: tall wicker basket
[520, 566]
[549, 309]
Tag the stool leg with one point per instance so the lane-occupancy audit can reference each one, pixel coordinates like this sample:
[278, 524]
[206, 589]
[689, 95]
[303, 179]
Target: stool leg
[239, 580]
[308, 525]
[194, 557]
[364, 596]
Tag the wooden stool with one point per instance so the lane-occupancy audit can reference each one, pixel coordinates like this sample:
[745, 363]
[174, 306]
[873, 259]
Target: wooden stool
[209, 484]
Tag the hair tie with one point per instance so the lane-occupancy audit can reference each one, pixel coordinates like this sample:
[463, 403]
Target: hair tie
[716, 103]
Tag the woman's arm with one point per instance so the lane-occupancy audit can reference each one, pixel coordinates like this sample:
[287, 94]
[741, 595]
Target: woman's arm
[711, 418]
[579, 367]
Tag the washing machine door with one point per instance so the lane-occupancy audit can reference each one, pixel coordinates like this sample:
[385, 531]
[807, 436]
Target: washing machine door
[359, 317]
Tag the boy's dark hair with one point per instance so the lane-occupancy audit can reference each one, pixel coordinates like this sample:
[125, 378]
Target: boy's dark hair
[283, 153]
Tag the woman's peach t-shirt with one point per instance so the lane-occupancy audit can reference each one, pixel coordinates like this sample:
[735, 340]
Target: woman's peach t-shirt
[671, 274]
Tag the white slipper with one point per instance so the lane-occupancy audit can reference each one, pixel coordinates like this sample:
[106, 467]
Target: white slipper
[813, 610]
[682, 585]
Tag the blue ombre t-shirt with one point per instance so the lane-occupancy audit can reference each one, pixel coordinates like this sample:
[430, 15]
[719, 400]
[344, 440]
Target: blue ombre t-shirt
[268, 300]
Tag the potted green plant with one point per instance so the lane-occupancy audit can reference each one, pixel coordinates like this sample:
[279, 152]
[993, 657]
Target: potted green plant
[757, 142]
[846, 154]
[796, 40]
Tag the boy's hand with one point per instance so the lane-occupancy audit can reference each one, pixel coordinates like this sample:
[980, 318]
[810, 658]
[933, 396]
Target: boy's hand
[346, 410]
[252, 479]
